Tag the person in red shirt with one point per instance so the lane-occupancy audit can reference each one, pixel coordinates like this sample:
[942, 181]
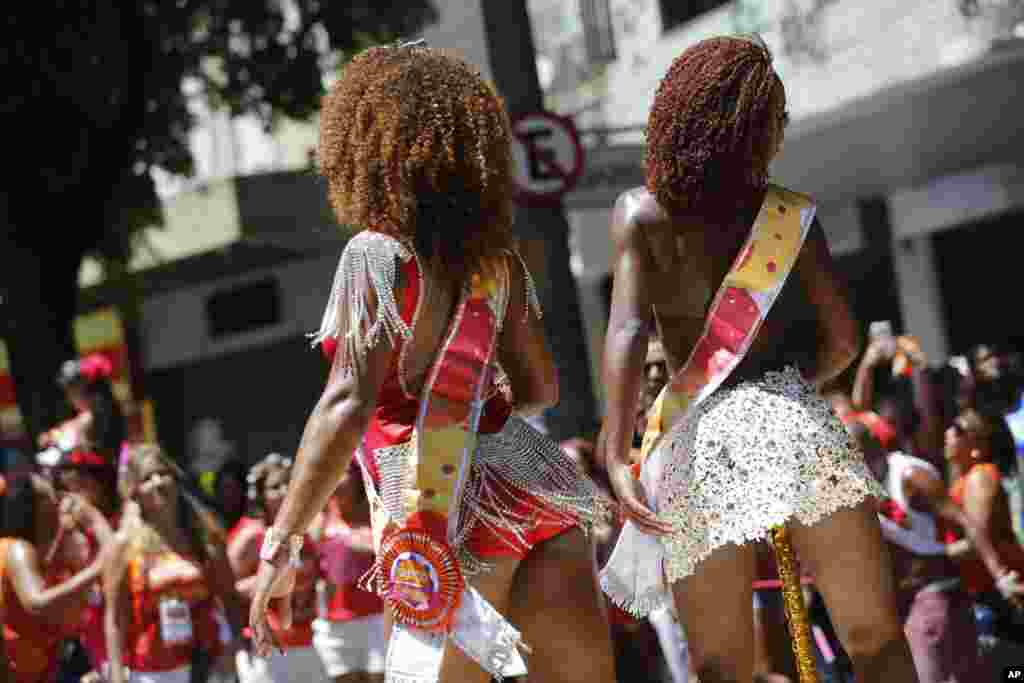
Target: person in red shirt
[268, 482]
[45, 579]
[350, 635]
[974, 444]
[169, 571]
[89, 474]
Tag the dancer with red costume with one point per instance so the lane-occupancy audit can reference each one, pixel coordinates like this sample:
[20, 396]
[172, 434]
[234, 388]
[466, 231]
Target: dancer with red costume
[481, 513]
[740, 445]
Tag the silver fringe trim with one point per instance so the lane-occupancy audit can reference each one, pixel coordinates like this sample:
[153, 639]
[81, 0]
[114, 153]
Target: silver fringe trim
[368, 263]
[516, 460]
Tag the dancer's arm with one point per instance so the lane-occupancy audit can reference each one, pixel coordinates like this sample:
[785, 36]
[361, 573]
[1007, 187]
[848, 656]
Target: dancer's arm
[332, 433]
[827, 293]
[625, 351]
[524, 352]
[56, 605]
[340, 417]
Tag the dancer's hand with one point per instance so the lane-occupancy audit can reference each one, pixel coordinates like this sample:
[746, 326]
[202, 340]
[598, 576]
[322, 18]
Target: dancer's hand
[273, 580]
[630, 495]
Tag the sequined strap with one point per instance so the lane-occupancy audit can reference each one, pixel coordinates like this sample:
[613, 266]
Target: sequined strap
[368, 267]
[530, 289]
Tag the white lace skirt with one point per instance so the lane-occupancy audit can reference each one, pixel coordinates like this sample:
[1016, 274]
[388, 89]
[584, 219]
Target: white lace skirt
[753, 457]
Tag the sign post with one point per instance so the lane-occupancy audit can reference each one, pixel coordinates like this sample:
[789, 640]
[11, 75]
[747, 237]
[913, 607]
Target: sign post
[548, 157]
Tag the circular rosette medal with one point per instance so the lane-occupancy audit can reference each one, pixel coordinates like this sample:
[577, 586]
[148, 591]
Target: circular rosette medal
[423, 582]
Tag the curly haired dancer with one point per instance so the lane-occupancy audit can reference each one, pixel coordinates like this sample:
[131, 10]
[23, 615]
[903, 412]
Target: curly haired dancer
[476, 516]
[740, 442]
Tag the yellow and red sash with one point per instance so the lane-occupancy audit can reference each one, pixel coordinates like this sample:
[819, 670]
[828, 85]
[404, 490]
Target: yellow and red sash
[740, 306]
[423, 582]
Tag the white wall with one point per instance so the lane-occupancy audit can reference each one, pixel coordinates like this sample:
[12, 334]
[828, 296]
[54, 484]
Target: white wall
[870, 44]
[461, 28]
[174, 327]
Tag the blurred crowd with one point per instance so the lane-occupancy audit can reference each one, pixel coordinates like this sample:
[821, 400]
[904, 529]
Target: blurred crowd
[946, 440]
[112, 551]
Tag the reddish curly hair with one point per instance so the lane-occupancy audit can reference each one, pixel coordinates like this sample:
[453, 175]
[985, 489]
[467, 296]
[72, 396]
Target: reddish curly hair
[713, 128]
[416, 144]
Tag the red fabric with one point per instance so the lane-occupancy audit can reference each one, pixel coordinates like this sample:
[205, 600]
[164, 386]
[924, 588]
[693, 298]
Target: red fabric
[618, 616]
[95, 366]
[879, 427]
[243, 522]
[487, 542]
[973, 571]
[343, 566]
[30, 644]
[92, 634]
[144, 648]
[85, 458]
[396, 412]
[891, 509]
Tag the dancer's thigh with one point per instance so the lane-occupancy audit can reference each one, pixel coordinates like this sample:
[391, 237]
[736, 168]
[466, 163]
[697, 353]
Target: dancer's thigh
[852, 570]
[494, 586]
[715, 604]
[557, 605]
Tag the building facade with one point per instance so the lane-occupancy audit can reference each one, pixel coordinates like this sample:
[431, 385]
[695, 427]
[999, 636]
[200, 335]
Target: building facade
[902, 129]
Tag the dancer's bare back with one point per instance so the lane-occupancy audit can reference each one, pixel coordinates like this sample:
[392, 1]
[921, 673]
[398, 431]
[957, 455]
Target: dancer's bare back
[680, 266]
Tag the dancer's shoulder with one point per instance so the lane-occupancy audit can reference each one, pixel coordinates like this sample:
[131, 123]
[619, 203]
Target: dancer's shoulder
[636, 213]
[376, 244]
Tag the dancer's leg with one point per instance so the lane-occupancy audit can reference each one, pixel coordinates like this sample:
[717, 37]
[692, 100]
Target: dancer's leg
[556, 603]
[851, 567]
[494, 586]
[717, 610]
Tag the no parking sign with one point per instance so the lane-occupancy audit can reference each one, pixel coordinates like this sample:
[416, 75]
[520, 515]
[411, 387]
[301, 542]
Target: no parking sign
[548, 157]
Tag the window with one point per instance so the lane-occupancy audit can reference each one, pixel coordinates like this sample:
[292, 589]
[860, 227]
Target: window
[598, 34]
[677, 12]
[243, 309]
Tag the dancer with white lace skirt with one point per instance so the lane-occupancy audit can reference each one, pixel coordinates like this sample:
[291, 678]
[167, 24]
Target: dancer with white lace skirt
[740, 444]
[478, 520]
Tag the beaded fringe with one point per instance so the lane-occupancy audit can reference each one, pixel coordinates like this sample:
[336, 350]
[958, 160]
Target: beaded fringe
[368, 264]
[508, 465]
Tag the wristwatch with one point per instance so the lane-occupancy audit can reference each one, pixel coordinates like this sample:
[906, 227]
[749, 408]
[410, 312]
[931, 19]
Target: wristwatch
[273, 544]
